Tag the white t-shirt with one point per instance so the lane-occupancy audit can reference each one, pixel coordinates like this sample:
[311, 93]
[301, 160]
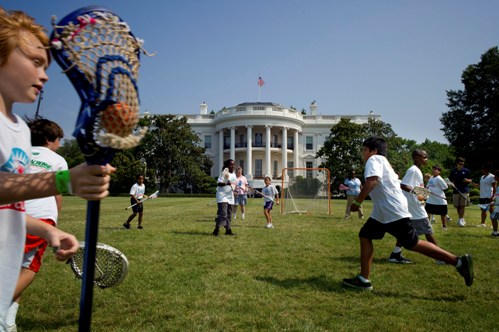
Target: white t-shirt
[389, 204]
[486, 185]
[269, 192]
[44, 160]
[225, 193]
[353, 186]
[15, 152]
[437, 186]
[241, 185]
[414, 178]
[138, 190]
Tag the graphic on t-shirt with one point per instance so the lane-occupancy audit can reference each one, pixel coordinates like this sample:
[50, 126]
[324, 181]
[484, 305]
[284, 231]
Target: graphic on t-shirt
[17, 162]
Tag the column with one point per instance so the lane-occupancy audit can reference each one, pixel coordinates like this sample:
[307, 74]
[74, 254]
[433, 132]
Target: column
[267, 151]
[284, 148]
[249, 153]
[296, 152]
[220, 151]
[233, 143]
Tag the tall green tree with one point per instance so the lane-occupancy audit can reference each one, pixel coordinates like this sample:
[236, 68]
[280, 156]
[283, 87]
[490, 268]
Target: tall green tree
[70, 151]
[472, 122]
[172, 150]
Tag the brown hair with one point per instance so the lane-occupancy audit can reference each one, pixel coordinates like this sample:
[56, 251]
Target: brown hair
[44, 131]
[15, 27]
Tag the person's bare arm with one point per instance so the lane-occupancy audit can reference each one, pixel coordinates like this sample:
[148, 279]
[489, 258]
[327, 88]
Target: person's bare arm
[369, 185]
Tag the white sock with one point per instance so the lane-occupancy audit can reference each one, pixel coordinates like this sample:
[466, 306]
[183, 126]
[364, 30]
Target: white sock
[242, 215]
[11, 314]
[363, 279]
[396, 250]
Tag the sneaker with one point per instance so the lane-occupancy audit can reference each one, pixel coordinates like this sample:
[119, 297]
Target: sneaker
[234, 216]
[269, 226]
[466, 269]
[216, 231]
[461, 222]
[127, 226]
[398, 258]
[140, 227]
[357, 283]
[494, 234]
[482, 225]
[448, 218]
[12, 328]
[444, 228]
[242, 216]
[347, 217]
[229, 232]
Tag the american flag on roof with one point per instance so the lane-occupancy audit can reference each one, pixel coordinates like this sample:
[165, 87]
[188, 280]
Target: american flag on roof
[261, 82]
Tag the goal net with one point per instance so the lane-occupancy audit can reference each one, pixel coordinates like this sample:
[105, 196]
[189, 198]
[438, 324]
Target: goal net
[305, 191]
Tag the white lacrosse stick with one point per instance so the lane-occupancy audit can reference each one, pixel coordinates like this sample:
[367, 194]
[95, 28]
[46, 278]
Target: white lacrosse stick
[152, 196]
[425, 193]
[111, 266]
[450, 184]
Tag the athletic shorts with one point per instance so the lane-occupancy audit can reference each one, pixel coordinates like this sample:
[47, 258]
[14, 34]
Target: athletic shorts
[139, 208]
[458, 200]
[268, 205]
[495, 215]
[34, 249]
[422, 226]
[401, 229]
[241, 200]
[439, 210]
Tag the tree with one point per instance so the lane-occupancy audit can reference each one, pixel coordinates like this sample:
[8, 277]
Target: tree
[172, 150]
[471, 124]
[128, 167]
[70, 151]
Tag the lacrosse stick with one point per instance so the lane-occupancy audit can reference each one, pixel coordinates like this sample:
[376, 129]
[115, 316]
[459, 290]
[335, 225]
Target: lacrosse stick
[152, 196]
[111, 266]
[425, 193]
[450, 184]
[343, 187]
[266, 196]
[100, 56]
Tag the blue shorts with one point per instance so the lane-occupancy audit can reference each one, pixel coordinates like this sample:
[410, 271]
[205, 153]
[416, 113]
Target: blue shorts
[268, 205]
[401, 229]
[241, 200]
[139, 208]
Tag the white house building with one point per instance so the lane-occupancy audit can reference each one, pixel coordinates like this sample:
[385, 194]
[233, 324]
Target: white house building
[264, 137]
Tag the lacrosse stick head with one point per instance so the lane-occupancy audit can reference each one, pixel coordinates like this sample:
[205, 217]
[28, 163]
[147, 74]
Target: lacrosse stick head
[154, 195]
[100, 56]
[111, 266]
[343, 187]
[225, 173]
[422, 193]
[449, 183]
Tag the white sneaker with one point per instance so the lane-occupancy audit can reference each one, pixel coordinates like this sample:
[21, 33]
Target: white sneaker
[234, 216]
[482, 225]
[461, 222]
[12, 328]
[269, 226]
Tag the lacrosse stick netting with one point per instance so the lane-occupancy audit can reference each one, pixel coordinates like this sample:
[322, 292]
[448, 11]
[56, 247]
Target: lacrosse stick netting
[100, 55]
[111, 266]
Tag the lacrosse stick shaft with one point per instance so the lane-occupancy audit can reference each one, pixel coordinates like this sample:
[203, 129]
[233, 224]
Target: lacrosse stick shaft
[87, 290]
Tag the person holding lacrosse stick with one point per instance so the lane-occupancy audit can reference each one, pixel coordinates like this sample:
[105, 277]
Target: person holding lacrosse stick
[460, 178]
[390, 214]
[269, 192]
[240, 192]
[437, 204]
[24, 59]
[225, 198]
[137, 196]
[352, 185]
[495, 214]
[488, 188]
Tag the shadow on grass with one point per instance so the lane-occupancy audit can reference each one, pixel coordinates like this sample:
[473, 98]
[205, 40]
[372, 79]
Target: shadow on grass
[356, 259]
[326, 284]
[49, 325]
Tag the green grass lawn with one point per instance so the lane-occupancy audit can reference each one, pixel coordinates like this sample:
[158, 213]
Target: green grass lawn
[181, 278]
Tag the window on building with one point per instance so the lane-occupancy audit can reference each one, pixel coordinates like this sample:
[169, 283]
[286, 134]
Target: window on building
[241, 164]
[258, 168]
[242, 144]
[309, 143]
[226, 142]
[274, 172]
[309, 164]
[275, 142]
[290, 143]
[258, 139]
[258, 108]
[207, 142]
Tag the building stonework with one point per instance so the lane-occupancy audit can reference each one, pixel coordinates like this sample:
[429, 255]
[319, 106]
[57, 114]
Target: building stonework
[264, 137]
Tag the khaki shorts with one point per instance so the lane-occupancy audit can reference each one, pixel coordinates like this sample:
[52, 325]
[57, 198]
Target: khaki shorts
[459, 200]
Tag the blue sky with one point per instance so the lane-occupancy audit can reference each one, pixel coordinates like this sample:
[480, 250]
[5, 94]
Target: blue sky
[395, 58]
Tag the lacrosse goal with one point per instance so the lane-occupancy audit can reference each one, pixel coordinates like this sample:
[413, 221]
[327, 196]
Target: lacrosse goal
[305, 191]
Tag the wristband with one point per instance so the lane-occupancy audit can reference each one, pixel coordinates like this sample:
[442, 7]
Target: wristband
[357, 203]
[63, 182]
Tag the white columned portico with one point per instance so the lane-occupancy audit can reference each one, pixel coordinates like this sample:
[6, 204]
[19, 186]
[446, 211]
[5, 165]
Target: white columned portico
[267, 150]
[220, 151]
[232, 143]
[249, 153]
[296, 151]
[284, 148]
